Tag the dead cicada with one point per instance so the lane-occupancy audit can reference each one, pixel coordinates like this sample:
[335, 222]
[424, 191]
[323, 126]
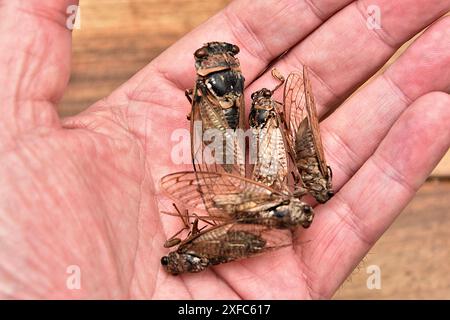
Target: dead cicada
[268, 150]
[221, 244]
[217, 110]
[303, 135]
[226, 198]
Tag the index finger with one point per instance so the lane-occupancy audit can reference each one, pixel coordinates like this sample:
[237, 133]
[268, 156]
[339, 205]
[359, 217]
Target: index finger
[255, 31]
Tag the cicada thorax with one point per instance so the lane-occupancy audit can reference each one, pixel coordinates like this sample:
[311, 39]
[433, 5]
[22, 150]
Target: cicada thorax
[218, 103]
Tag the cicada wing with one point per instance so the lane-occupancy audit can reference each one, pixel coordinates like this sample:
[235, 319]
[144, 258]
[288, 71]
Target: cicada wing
[294, 103]
[313, 121]
[294, 114]
[215, 146]
[271, 164]
[203, 190]
[273, 238]
[207, 119]
[204, 117]
[235, 240]
[239, 141]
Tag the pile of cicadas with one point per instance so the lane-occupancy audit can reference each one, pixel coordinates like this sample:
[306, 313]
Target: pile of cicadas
[250, 199]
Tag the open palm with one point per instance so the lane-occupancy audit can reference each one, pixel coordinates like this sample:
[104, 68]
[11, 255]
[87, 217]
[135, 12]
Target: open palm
[83, 191]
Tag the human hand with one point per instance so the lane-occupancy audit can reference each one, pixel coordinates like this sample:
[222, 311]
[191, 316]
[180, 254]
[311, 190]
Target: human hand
[82, 190]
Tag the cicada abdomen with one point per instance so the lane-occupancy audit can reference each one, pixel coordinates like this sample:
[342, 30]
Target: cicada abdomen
[218, 110]
[304, 136]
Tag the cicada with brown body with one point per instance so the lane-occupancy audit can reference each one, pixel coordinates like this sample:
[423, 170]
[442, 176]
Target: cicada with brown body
[217, 104]
[226, 198]
[268, 140]
[221, 244]
[304, 139]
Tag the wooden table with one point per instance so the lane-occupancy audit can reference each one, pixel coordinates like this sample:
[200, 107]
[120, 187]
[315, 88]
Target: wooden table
[118, 37]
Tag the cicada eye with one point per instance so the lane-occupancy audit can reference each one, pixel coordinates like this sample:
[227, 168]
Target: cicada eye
[164, 261]
[235, 49]
[330, 193]
[267, 93]
[200, 53]
[253, 96]
[307, 209]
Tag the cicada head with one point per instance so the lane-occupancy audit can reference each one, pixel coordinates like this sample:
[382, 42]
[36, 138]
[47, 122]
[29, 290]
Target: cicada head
[301, 213]
[325, 192]
[176, 263]
[216, 56]
[294, 214]
[323, 195]
[262, 106]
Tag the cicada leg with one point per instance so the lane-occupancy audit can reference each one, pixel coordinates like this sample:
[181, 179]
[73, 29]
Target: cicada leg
[174, 240]
[188, 93]
[277, 75]
[195, 228]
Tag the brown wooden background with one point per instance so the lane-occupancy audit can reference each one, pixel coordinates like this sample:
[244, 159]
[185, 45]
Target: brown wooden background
[118, 37]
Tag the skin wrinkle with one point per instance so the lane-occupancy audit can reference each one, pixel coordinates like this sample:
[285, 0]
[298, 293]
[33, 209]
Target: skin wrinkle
[392, 173]
[305, 270]
[32, 66]
[313, 74]
[396, 89]
[318, 257]
[156, 71]
[236, 290]
[381, 34]
[114, 257]
[151, 98]
[354, 222]
[317, 12]
[140, 213]
[257, 47]
[43, 12]
[222, 279]
[104, 224]
[29, 58]
[8, 270]
[351, 156]
[24, 154]
[110, 237]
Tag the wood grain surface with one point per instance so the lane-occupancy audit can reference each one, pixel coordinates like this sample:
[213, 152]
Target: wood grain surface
[413, 255]
[119, 37]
